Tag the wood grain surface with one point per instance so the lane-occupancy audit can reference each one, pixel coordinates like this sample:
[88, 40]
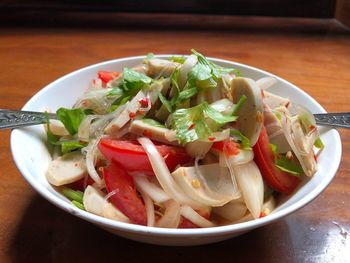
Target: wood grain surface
[33, 230]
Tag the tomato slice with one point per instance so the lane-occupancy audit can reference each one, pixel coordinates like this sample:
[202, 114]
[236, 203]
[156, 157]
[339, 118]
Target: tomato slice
[265, 159]
[107, 76]
[232, 147]
[125, 198]
[132, 156]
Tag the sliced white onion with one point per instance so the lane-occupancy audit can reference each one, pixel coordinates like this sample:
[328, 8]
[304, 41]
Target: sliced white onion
[149, 208]
[110, 194]
[98, 126]
[236, 193]
[266, 82]
[171, 217]
[251, 185]
[90, 162]
[300, 144]
[244, 156]
[205, 186]
[231, 211]
[190, 214]
[269, 205]
[163, 175]
[153, 191]
[84, 128]
[198, 148]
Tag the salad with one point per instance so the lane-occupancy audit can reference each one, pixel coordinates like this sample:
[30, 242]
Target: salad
[181, 143]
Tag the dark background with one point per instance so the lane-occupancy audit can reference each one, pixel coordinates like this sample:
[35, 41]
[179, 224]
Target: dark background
[280, 8]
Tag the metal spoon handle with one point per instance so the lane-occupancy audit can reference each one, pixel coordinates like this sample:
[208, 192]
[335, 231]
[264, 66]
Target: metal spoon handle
[334, 120]
[16, 118]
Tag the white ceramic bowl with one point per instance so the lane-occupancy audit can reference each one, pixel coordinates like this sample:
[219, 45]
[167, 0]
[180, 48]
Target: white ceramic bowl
[32, 156]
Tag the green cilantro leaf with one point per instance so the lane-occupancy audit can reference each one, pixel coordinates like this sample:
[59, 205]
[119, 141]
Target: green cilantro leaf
[69, 146]
[133, 80]
[191, 123]
[245, 142]
[178, 59]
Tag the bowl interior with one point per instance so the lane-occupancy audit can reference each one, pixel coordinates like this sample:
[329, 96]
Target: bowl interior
[32, 155]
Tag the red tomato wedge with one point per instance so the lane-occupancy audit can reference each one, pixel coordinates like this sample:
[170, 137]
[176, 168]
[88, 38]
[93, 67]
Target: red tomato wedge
[107, 76]
[232, 148]
[265, 159]
[126, 198]
[132, 156]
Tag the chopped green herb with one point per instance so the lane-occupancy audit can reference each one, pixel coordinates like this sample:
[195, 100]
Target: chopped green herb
[133, 81]
[289, 166]
[285, 164]
[71, 118]
[165, 102]
[178, 59]
[245, 142]
[318, 143]
[52, 139]
[79, 205]
[191, 123]
[239, 104]
[150, 56]
[175, 80]
[274, 149]
[72, 194]
[216, 70]
[186, 94]
[69, 146]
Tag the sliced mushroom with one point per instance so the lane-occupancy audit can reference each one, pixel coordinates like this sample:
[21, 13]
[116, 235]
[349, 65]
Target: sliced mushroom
[161, 67]
[66, 169]
[159, 134]
[251, 117]
[209, 188]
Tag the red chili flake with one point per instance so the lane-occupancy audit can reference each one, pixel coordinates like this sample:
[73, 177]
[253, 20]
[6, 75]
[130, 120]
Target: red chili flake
[287, 105]
[211, 138]
[147, 133]
[262, 214]
[312, 128]
[191, 126]
[315, 158]
[139, 112]
[132, 115]
[144, 102]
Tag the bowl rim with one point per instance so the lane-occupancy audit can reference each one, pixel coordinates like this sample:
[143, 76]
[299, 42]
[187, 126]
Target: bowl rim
[198, 232]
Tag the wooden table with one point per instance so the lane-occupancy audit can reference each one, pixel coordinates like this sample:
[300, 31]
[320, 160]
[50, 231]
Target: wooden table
[315, 56]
